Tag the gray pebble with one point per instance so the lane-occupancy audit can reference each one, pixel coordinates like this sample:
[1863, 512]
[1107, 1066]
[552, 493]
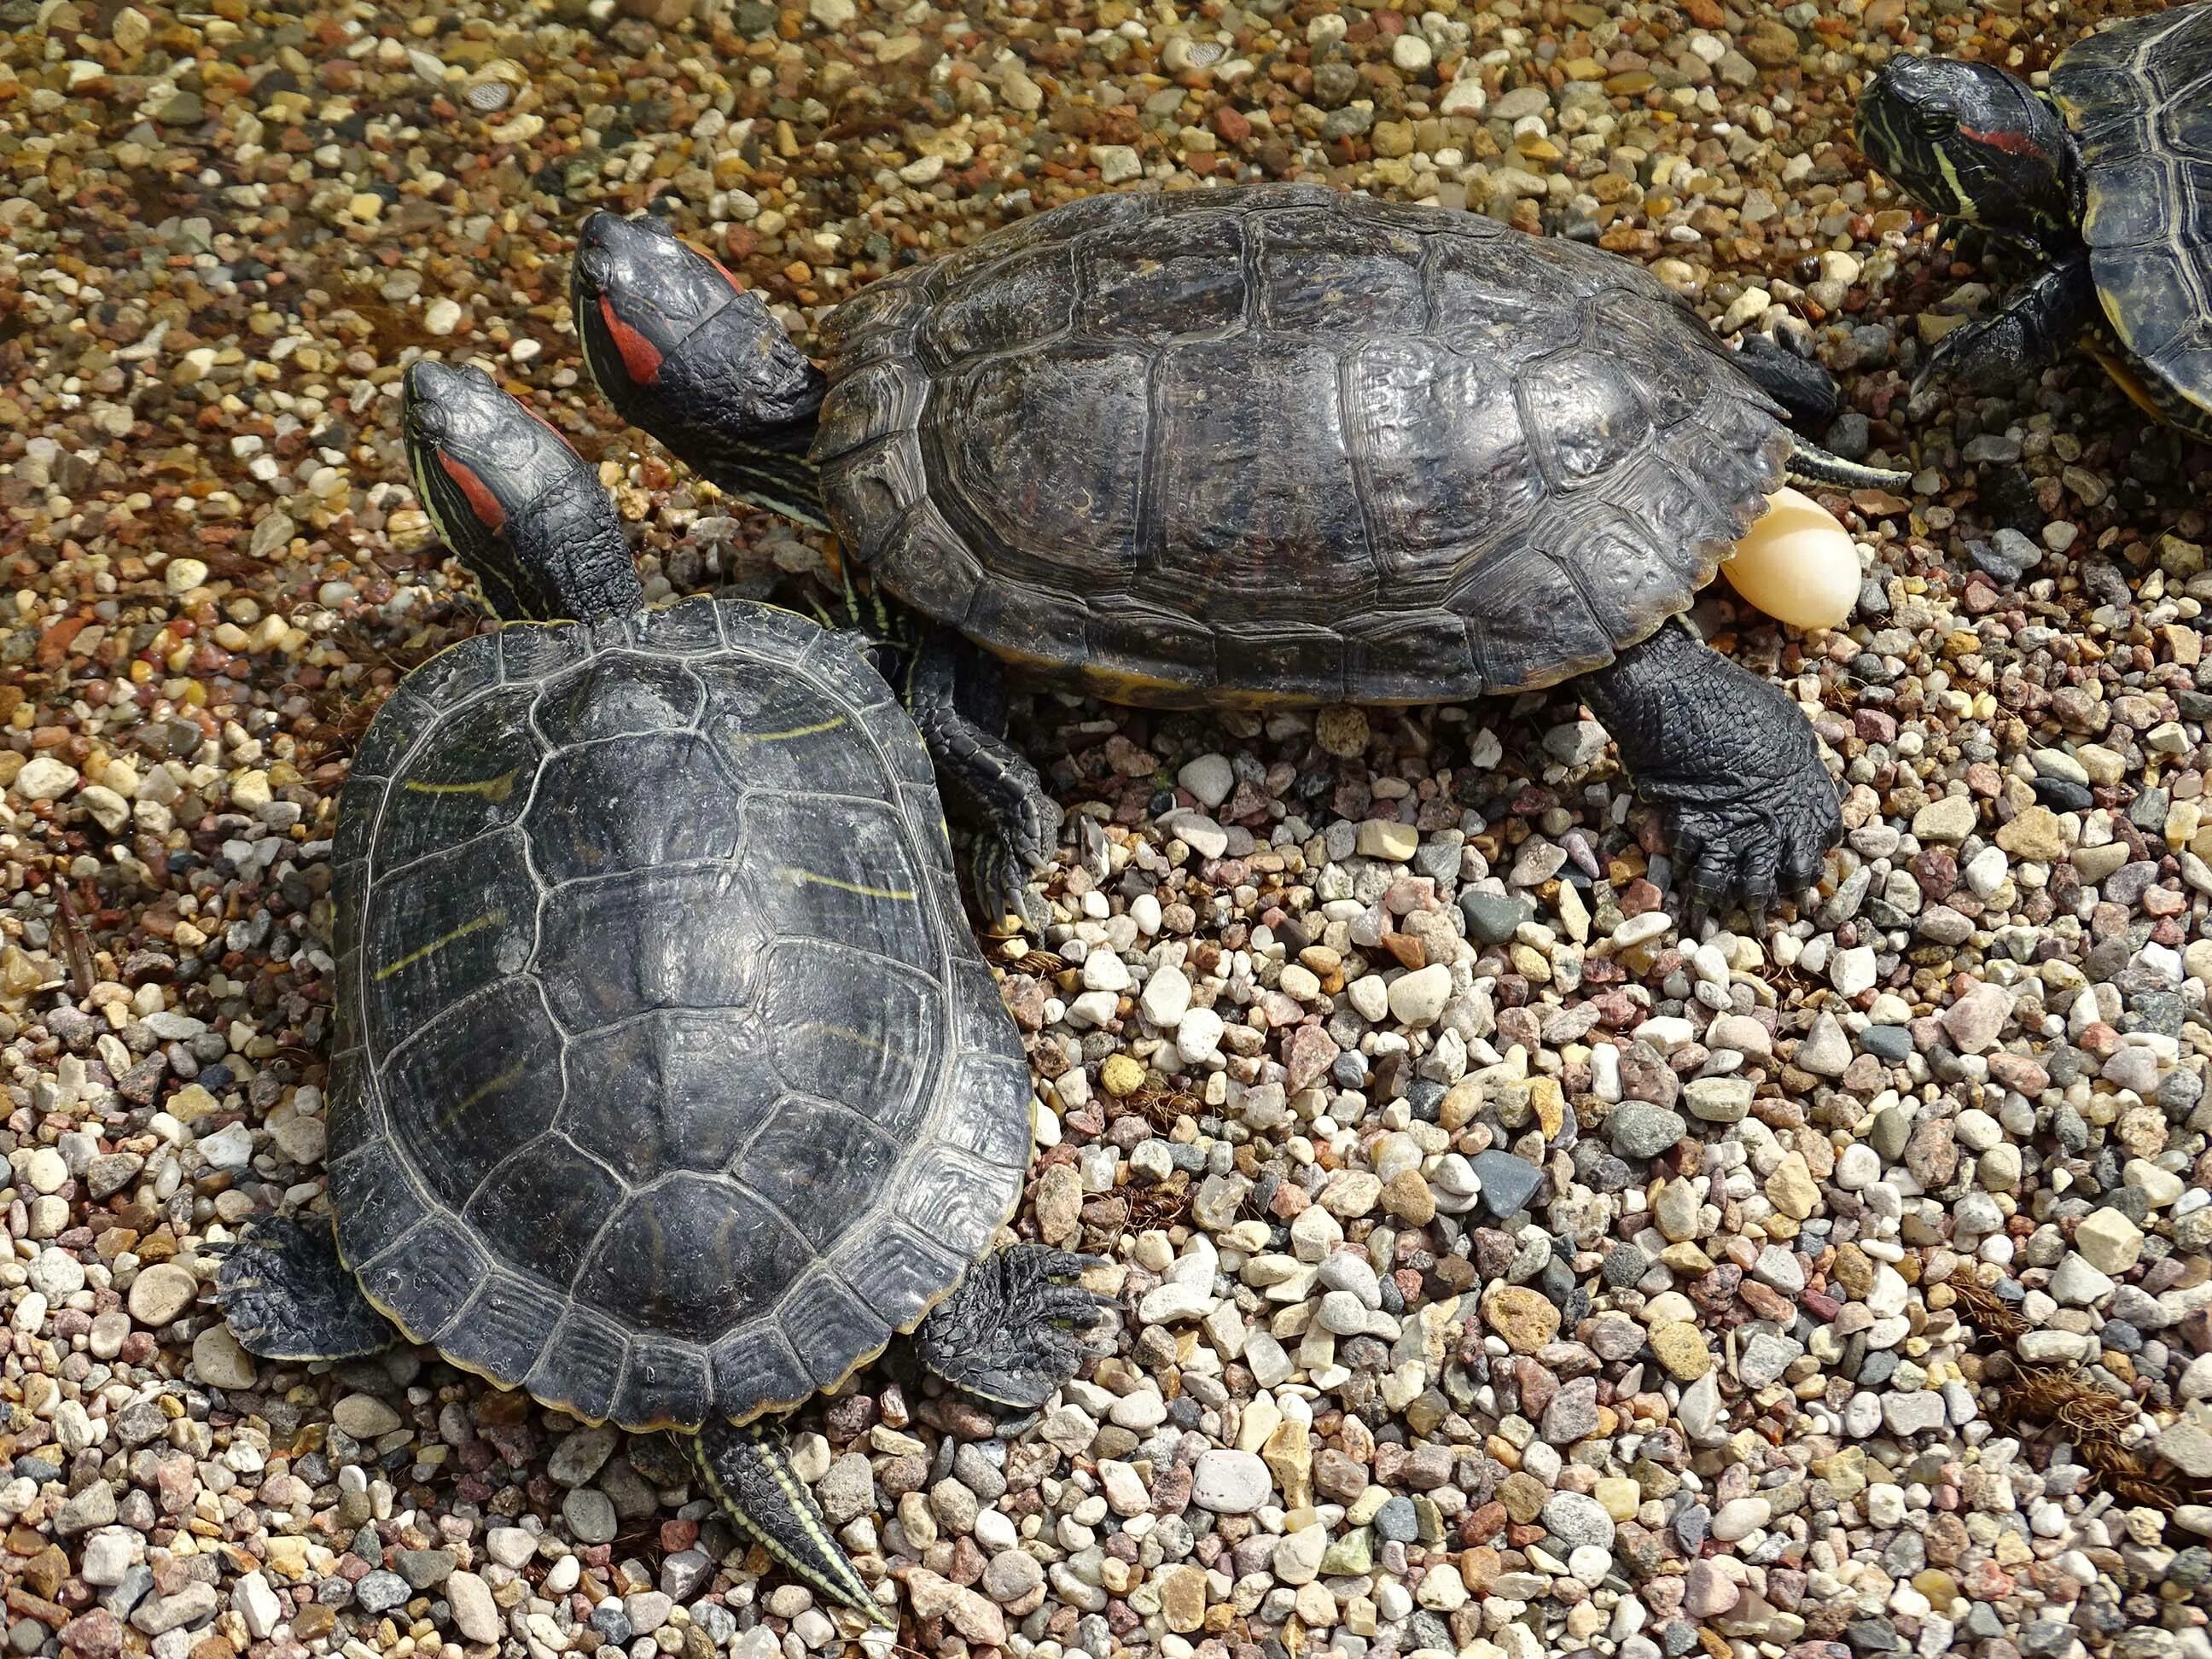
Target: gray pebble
[590, 1514]
[1639, 1129]
[424, 1568]
[380, 1591]
[1508, 1182]
[848, 1491]
[1394, 1522]
[580, 1455]
[1492, 918]
[1575, 1519]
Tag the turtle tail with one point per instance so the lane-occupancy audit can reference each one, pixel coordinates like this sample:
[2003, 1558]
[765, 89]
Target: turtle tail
[748, 1472]
[1810, 463]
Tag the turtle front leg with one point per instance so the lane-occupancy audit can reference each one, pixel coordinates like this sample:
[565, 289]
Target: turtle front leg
[1007, 1333]
[287, 1296]
[747, 1470]
[1731, 760]
[987, 780]
[2027, 336]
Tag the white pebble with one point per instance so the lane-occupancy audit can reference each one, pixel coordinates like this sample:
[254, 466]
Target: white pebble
[1166, 998]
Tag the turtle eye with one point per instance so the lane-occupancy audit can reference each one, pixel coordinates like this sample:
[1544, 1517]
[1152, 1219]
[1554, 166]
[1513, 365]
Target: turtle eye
[1935, 123]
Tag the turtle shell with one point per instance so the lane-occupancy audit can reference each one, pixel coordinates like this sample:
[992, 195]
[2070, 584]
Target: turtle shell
[1277, 443]
[2138, 100]
[669, 1080]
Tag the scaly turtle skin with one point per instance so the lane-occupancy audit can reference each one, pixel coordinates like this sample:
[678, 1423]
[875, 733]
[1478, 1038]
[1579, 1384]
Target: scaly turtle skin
[669, 1083]
[2105, 183]
[1267, 445]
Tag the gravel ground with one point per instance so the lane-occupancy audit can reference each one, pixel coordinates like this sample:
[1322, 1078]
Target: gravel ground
[1509, 1269]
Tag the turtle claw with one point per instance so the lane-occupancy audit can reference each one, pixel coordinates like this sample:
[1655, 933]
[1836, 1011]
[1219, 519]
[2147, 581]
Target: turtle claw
[1092, 847]
[1051, 1260]
[1971, 356]
[1728, 855]
[1003, 890]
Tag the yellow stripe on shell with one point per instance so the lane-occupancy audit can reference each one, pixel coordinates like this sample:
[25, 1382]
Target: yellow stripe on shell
[489, 919]
[807, 877]
[492, 789]
[815, 730]
[846, 1032]
[450, 1116]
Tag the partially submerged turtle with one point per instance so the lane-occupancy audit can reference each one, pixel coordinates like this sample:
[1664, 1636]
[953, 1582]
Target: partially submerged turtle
[1272, 444]
[2104, 182]
[669, 1083]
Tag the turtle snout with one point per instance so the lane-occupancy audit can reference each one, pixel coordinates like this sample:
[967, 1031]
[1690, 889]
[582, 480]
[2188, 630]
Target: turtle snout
[430, 388]
[445, 402]
[609, 246]
[589, 270]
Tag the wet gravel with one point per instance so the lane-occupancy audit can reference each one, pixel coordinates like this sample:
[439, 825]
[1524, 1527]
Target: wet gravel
[1509, 1269]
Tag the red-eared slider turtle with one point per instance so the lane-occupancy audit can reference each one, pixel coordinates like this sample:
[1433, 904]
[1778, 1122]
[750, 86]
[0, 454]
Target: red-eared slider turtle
[669, 1083]
[2105, 182]
[1265, 445]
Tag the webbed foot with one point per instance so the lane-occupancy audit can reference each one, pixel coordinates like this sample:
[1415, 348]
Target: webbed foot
[1007, 1334]
[287, 1296]
[1995, 353]
[956, 702]
[1731, 760]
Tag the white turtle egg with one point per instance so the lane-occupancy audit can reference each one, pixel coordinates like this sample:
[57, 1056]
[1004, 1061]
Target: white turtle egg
[1797, 564]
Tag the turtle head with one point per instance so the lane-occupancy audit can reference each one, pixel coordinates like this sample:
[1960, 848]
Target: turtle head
[682, 350]
[1970, 141]
[518, 507]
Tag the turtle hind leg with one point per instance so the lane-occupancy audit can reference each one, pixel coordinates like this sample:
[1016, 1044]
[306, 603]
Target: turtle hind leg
[748, 1472]
[1809, 394]
[987, 781]
[1731, 759]
[1007, 1333]
[2027, 335]
[287, 1296]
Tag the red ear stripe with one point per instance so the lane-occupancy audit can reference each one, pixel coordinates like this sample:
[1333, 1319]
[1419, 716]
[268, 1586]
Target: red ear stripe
[640, 356]
[2012, 144]
[482, 502]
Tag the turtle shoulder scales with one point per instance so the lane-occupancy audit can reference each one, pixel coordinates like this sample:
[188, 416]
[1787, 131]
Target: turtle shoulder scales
[2138, 100]
[669, 1081]
[1277, 444]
